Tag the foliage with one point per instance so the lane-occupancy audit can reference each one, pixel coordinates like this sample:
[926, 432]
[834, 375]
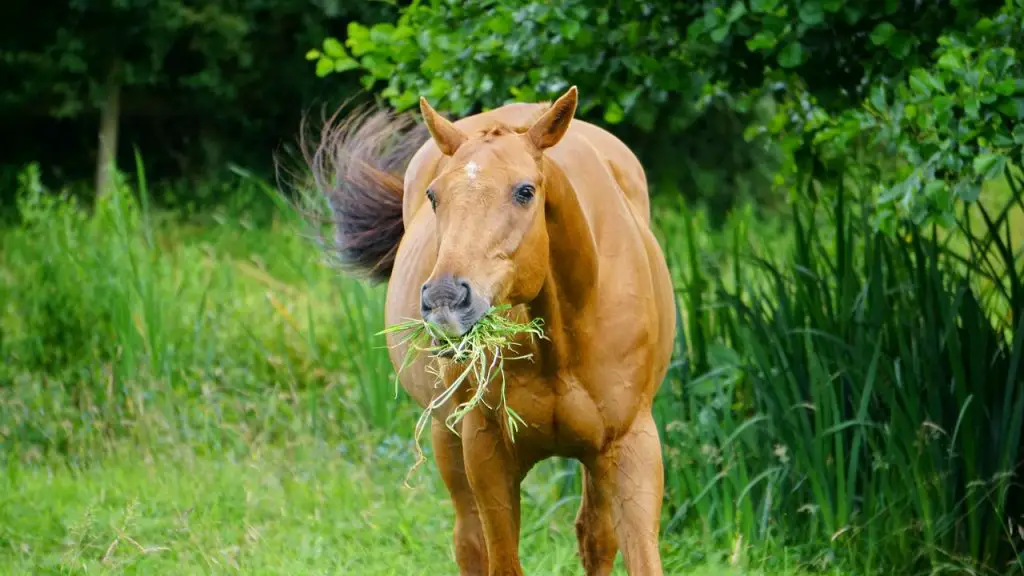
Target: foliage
[948, 127]
[641, 62]
[781, 79]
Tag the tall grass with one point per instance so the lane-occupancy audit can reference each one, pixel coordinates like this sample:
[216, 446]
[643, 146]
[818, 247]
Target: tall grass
[229, 333]
[856, 393]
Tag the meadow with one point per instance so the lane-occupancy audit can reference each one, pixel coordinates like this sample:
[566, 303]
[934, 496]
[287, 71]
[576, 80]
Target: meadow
[209, 393]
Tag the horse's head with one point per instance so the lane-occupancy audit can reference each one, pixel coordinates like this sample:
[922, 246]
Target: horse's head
[489, 208]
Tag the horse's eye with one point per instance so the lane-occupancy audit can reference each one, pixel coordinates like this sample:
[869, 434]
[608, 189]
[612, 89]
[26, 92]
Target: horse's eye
[523, 193]
[432, 198]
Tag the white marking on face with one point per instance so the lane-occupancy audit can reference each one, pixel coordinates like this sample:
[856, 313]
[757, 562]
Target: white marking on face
[472, 169]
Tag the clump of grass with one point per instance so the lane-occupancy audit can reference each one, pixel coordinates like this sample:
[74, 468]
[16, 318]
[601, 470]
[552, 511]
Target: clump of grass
[480, 353]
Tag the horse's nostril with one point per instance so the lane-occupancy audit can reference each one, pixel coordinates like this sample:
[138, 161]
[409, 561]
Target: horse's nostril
[426, 302]
[465, 295]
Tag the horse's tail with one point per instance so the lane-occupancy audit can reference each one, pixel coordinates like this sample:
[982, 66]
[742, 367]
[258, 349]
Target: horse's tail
[359, 165]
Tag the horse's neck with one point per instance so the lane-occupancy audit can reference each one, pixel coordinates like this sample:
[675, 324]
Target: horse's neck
[571, 283]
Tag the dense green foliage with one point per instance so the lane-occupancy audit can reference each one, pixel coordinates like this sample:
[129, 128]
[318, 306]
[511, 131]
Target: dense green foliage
[935, 86]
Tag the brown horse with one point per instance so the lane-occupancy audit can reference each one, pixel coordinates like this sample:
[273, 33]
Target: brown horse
[525, 206]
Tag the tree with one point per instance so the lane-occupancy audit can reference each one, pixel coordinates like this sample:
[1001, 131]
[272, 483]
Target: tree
[194, 79]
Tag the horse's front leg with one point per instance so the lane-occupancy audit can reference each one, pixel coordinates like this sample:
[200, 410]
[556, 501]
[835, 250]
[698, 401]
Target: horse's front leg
[495, 476]
[630, 473]
[470, 551]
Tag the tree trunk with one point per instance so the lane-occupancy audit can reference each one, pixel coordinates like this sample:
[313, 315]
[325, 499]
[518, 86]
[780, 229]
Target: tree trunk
[110, 114]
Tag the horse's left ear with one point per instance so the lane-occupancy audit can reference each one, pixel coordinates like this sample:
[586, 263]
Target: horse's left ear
[447, 136]
[549, 128]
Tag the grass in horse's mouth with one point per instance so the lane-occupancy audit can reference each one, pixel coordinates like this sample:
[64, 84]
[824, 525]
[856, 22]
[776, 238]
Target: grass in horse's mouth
[481, 352]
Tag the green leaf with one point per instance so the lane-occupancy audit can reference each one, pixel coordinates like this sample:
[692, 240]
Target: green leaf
[359, 39]
[763, 40]
[613, 113]
[324, 67]
[951, 61]
[570, 29]
[989, 166]
[791, 56]
[972, 106]
[967, 191]
[1018, 134]
[877, 98]
[934, 187]
[900, 44]
[738, 10]
[345, 64]
[919, 85]
[812, 12]
[925, 83]
[334, 49]
[719, 34]
[1005, 87]
[1014, 108]
[501, 23]
[881, 34]
[1002, 141]
[313, 54]
[763, 6]
[405, 100]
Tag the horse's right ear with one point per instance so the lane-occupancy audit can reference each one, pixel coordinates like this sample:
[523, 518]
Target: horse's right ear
[550, 127]
[447, 136]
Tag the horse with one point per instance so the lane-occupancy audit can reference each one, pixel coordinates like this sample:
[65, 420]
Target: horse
[528, 207]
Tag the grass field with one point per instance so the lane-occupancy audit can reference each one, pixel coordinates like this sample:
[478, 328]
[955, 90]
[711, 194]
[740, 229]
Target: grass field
[302, 508]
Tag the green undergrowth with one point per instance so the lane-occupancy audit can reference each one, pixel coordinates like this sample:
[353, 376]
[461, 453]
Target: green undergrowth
[838, 399]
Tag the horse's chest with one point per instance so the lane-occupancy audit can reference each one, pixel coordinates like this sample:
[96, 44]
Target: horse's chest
[557, 415]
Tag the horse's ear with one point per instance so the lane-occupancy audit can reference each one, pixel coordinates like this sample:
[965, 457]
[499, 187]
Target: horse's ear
[447, 136]
[549, 128]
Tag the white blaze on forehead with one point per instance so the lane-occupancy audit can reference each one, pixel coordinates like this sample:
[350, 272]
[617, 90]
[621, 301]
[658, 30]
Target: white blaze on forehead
[472, 169]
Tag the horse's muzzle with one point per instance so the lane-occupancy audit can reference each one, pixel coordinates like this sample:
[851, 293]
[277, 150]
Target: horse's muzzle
[451, 304]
